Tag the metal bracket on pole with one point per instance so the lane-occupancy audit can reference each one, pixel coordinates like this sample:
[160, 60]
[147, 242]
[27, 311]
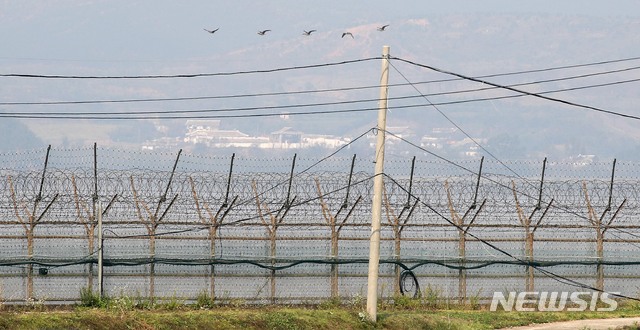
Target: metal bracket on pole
[529, 229]
[544, 166]
[224, 214]
[475, 194]
[163, 198]
[113, 199]
[154, 220]
[226, 195]
[287, 203]
[166, 210]
[39, 197]
[413, 165]
[615, 214]
[408, 205]
[526, 222]
[539, 205]
[345, 204]
[225, 203]
[473, 204]
[332, 220]
[44, 171]
[47, 208]
[542, 216]
[600, 228]
[613, 172]
[293, 166]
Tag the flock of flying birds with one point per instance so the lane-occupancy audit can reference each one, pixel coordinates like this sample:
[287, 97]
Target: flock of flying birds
[305, 32]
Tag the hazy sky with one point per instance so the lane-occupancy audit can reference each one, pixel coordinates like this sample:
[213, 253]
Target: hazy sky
[172, 30]
[107, 37]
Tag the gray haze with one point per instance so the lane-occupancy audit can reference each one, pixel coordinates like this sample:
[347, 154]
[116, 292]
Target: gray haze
[473, 38]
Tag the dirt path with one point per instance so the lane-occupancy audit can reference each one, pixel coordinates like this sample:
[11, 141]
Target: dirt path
[601, 324]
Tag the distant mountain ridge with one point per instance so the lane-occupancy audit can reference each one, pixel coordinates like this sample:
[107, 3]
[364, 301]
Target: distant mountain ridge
[470, 44]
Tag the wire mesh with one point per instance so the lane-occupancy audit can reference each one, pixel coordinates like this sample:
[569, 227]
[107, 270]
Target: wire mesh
[275, 230]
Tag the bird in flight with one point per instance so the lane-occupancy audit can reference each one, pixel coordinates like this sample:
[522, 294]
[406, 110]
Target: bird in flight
[263, 32]
[212, 31]
[383, 27]
[308, 33]
[347, 34]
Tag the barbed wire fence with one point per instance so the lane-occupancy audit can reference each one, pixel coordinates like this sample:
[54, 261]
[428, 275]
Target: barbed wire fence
[297, 230]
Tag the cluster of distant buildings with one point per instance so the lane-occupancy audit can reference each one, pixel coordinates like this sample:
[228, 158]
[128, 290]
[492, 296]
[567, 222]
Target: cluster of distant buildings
[209, 134]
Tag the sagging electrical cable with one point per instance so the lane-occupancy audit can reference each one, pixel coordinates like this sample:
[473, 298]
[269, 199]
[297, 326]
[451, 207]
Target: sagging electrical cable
[122, 116]
[537, 95]
[343, 89]
[190, 75]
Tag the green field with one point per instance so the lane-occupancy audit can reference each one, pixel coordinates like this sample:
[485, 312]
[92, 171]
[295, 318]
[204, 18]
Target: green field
[127, 313]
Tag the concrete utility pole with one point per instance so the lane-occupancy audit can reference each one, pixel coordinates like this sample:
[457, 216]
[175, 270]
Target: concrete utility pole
[378, 185]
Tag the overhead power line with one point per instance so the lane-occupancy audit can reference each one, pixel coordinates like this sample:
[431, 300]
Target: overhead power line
[538, 95]
[190, 114]
[189, 75]
[455, 124]
[302, 105]
[343, 89]
[193, 75]
[460, 128]
[251, 115]
[563, 67]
